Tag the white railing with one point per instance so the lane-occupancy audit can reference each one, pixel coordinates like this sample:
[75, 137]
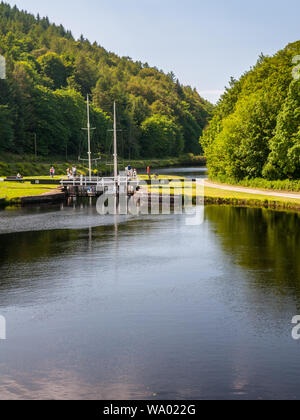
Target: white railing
[97, 181]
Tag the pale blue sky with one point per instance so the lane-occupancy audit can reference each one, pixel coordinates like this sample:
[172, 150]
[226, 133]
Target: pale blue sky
[204, 42]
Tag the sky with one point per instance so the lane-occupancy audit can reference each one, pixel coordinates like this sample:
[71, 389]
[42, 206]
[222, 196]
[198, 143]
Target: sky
[204, 42]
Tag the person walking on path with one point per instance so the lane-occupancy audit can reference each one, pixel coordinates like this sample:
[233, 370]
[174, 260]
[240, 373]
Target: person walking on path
[52, 172]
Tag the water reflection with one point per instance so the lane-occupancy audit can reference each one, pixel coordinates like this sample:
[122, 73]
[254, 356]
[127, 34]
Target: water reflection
[265, 242]
[118, 307]
[53, 384]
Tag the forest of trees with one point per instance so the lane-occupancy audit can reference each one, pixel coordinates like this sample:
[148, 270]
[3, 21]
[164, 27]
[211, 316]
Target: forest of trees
[49, 74]
[255, 130]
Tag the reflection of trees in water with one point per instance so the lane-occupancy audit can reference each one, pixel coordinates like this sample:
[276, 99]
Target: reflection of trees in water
[26, 247]
[25, 257]
[264, 242]
[267, 242]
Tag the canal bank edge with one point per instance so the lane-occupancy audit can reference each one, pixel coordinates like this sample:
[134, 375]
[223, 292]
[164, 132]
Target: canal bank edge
[212, 196]
[50, 197]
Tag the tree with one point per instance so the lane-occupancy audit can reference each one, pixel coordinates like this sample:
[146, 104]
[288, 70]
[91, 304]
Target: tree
[6, 129]
[255, 128]
[85, 74]
[53, 68]
[49, 74]
[284, 160]
[160, 137]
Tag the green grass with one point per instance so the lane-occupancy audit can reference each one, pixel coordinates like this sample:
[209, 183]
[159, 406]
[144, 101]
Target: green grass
[235, 195]
[218, 196]
[11, 191]
[15, 190]
[233, 198]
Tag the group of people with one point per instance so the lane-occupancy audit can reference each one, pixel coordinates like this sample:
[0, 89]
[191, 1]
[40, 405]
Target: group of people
[130, 172]
[72, 173]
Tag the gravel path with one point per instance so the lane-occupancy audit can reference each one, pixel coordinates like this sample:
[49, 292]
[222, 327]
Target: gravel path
[252, 190]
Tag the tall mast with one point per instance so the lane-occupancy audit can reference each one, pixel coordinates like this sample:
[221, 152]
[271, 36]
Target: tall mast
[89, 136]
[115, 144]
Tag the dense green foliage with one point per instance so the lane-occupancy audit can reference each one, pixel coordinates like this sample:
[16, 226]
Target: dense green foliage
[49, 74]
[255, 131]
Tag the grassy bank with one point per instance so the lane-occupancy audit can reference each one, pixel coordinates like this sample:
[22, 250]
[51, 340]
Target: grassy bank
[217, 196]
[11, 192]
[10, 165]
[233, 198]
[280, 185]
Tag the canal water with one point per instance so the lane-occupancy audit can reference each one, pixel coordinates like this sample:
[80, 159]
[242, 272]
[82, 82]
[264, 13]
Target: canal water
[108, 307]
